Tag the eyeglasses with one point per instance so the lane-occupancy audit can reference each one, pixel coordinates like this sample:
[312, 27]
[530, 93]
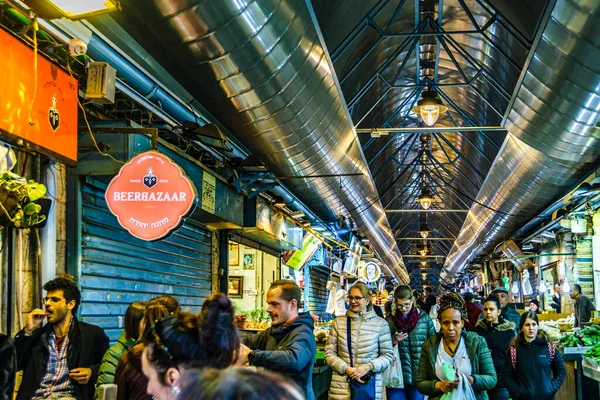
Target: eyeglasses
[355, 298]
[404, 305]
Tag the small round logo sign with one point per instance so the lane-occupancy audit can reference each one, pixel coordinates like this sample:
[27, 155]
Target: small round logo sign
[150, 196]
[371, 272]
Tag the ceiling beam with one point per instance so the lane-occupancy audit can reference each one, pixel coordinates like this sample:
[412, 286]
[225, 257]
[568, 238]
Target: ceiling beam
[414, 210]
[437, 129]
[420, 238]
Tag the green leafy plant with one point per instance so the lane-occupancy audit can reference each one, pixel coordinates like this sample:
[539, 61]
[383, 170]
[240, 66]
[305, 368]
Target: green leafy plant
[18, 207]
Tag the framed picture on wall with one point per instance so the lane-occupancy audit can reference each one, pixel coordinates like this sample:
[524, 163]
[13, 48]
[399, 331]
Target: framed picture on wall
[234, 254]
[249, 259]
[236, 287]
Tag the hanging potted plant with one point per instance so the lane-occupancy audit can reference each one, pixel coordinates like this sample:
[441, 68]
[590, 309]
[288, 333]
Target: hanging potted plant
[21, 201]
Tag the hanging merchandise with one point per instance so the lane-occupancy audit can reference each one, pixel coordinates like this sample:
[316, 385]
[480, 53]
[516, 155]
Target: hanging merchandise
[506, 283]
[515, 288]
[526, 283]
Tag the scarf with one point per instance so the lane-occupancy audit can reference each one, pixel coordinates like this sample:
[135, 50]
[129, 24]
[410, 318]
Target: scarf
[406, 324]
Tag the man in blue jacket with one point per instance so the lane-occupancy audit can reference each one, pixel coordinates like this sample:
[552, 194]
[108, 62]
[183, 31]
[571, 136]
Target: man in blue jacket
[288, 346]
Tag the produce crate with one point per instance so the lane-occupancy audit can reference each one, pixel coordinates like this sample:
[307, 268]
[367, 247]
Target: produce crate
[576, 350]
[591, 369]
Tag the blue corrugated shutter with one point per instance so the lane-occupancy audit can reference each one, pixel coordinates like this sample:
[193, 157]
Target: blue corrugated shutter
[118, 269]
[317, 290]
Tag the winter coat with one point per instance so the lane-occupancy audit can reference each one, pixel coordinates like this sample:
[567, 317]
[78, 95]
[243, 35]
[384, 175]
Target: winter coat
[484, 374]
[131, 381]
[498, 337]
[87, 345]
[288, 349]
[410, 348]
[535, 376]
[8, 367]
[429, 302]
[106, 374]
[508, 313]
[371, 343]
[473, 313]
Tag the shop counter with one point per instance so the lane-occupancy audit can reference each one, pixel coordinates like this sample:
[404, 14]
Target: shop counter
[321, 380]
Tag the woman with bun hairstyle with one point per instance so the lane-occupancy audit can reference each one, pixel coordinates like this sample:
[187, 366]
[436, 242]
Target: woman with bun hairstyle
[129, 378]
[466, 352]
[184, 341]
[410, 328]
[533, 369]
[498, 333]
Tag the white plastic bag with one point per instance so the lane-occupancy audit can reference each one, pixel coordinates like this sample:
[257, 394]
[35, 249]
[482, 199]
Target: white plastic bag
[464, 391]
[392, 376]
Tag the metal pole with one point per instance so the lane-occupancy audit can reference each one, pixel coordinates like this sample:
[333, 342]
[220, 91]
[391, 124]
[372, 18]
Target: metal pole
[425, 211]
[381, 131]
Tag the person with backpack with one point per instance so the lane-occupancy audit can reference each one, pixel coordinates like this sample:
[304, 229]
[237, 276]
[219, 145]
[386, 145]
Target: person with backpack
[534, 369]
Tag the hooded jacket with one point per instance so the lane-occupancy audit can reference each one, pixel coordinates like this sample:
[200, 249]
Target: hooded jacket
[288, 349]
[131, 381]
[410, 349]
[87, 345]
[106, 374]
[371, 343]
[484, 374]
[535, 376]
[8, 367]
[498, 337]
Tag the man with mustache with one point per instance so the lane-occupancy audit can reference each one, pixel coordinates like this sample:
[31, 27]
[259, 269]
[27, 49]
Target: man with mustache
[60, 359]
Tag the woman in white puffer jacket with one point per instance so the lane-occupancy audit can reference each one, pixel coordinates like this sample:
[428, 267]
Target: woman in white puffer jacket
[372, 349]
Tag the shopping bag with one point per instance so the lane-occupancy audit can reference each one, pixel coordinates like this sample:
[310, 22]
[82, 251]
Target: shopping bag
[363, 391]
[464, 391]
[392, 375]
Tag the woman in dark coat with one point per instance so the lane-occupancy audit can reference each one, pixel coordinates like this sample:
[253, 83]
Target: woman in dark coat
[410, 328]
[129, 378]
[533, 370]
[498, 333]
[8, 367]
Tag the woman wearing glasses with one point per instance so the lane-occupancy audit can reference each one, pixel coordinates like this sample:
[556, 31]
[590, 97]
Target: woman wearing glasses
[370, 346]
[185, 340]
[410, 328]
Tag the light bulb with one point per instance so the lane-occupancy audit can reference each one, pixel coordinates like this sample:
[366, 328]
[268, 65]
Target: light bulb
[566, 288]
[515, 287]
[430, 114]
[424, 234]
[543, 287]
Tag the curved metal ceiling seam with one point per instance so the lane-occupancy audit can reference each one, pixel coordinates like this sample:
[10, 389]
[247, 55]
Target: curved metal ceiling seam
[334, 148]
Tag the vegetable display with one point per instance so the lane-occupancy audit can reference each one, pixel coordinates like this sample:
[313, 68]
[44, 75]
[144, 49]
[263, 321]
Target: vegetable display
[586, 337]
[18, 207]
[593, 353]
[255, 319]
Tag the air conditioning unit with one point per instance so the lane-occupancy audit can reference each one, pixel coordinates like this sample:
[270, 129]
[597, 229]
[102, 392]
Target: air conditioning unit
[101, 83]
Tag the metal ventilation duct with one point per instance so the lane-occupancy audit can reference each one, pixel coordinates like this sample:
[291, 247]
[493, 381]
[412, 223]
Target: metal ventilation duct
[554, 138]
[260, 68]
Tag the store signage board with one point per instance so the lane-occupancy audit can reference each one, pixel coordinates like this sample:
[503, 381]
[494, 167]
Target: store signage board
[209, 185]
[43, 118]
[151, 196]
[297, 258]
[371, 272]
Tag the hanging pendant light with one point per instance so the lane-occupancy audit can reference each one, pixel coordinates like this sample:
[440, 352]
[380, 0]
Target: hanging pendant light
[566, 288]
[424, 230]
[425, 198]
[543, 288]
[429, 107]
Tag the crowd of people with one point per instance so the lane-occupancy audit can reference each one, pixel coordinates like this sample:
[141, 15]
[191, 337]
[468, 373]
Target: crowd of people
[480, 351]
